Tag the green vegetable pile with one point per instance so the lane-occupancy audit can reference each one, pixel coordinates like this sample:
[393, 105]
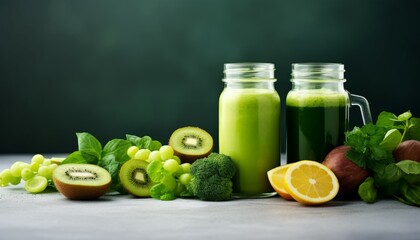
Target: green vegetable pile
[372, 148]
[112, 156]
[207, 178]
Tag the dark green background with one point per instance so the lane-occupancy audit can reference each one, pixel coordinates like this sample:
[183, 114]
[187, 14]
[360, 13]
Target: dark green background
[149, 67]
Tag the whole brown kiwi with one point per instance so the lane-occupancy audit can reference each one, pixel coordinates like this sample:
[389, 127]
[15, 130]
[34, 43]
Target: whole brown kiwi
[407, 150]
[349, 175]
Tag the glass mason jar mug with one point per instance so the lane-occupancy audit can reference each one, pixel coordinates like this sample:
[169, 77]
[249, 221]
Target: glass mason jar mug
[249, 125]
[317, 110]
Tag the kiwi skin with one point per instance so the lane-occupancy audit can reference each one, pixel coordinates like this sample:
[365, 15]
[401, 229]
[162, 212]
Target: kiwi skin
[78, 191]
[189, 157]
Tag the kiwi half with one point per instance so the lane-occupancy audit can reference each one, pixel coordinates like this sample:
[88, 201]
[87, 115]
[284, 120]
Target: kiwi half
[134, 178]
[191, 143]
[81, 181]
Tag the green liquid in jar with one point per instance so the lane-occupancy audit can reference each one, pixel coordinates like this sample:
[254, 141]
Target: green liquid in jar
[316, 121]
[249, 127]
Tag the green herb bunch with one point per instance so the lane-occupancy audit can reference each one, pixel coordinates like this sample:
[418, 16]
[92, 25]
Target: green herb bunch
[372, 147]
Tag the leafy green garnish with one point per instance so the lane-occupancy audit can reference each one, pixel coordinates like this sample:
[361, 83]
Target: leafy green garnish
[372, 146]
[145, 142]
[111, 157]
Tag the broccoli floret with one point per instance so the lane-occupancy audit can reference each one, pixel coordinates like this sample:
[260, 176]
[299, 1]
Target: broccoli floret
[212, 178]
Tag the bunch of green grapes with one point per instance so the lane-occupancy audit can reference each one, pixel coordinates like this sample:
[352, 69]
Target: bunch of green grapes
[37, 175]
[165, 169]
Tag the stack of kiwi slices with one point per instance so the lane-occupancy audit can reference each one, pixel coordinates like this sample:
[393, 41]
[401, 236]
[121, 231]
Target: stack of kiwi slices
[81, 181]
[191, 143]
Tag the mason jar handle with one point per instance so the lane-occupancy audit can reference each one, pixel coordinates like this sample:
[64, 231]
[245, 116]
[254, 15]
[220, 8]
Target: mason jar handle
[357, 100]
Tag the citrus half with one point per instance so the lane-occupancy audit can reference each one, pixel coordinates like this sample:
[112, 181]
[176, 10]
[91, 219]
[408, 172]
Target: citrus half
[276, 178]
[310, 182]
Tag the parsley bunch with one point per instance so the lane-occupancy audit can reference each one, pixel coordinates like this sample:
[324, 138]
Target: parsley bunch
[372, 147]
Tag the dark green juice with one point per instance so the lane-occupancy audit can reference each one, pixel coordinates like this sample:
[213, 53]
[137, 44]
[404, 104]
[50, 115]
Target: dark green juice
[316, 123]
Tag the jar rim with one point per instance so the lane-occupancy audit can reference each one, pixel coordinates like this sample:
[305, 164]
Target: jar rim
[249, 80]
[318, 80]
[318, 71]
[248, 67]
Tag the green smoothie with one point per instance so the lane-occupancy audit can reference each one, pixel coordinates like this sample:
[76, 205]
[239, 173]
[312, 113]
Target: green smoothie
[316, 121]
[249, 128]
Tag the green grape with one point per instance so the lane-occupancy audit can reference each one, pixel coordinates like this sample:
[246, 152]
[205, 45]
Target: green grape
[15, 180]
[27, 173]
[51, 169]
[45, 171]
[46, 162]
[186, 167]
[2, 184]
[154, 156]
[169, 182]
[166, 152]
[179, 189]
[171, 165]
[6, 176]
[176, 158]
[34, 166]
[38, 158]
[178, 172]
[185, 178]
[16, 168]
[142, 154]
[132, 151]
[36, 184]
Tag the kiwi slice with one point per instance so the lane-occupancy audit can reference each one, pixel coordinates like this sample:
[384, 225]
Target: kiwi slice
[79, 181]
[134, 178]
[191, 143]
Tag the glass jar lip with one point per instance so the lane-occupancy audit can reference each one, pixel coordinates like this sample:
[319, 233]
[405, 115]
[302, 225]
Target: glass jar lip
[340, 66]
[248, 67]
[318, 80]
[318, 72]
[248, 72]
[249, 80]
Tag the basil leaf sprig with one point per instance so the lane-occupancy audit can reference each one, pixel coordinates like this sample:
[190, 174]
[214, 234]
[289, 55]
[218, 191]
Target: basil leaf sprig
[372, 147]
[112, 156]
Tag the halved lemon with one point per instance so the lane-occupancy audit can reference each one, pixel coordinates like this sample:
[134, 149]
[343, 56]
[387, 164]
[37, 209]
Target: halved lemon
[276, 178]
[310, 182]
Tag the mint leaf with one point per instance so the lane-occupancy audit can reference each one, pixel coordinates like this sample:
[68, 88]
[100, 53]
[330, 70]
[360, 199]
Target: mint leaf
[155, 171]
[117, 148]
[367, 191]
[409, 194]
[89, 144]
[75, 157]
[356, 139]
[135, 140]
[145, 142]
[389, 174]
[409, 166]
[404, 116]
[357, 157]
[413, 131]
[386, 119]
[155, 145]
[112, 165]
[391, 140]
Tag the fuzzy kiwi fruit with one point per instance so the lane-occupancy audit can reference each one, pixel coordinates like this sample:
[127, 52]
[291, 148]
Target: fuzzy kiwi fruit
[134, 178]
[191, 143]
[81, 181]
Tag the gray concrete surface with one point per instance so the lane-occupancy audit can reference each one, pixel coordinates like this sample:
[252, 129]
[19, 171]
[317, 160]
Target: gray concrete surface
[51, 216]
